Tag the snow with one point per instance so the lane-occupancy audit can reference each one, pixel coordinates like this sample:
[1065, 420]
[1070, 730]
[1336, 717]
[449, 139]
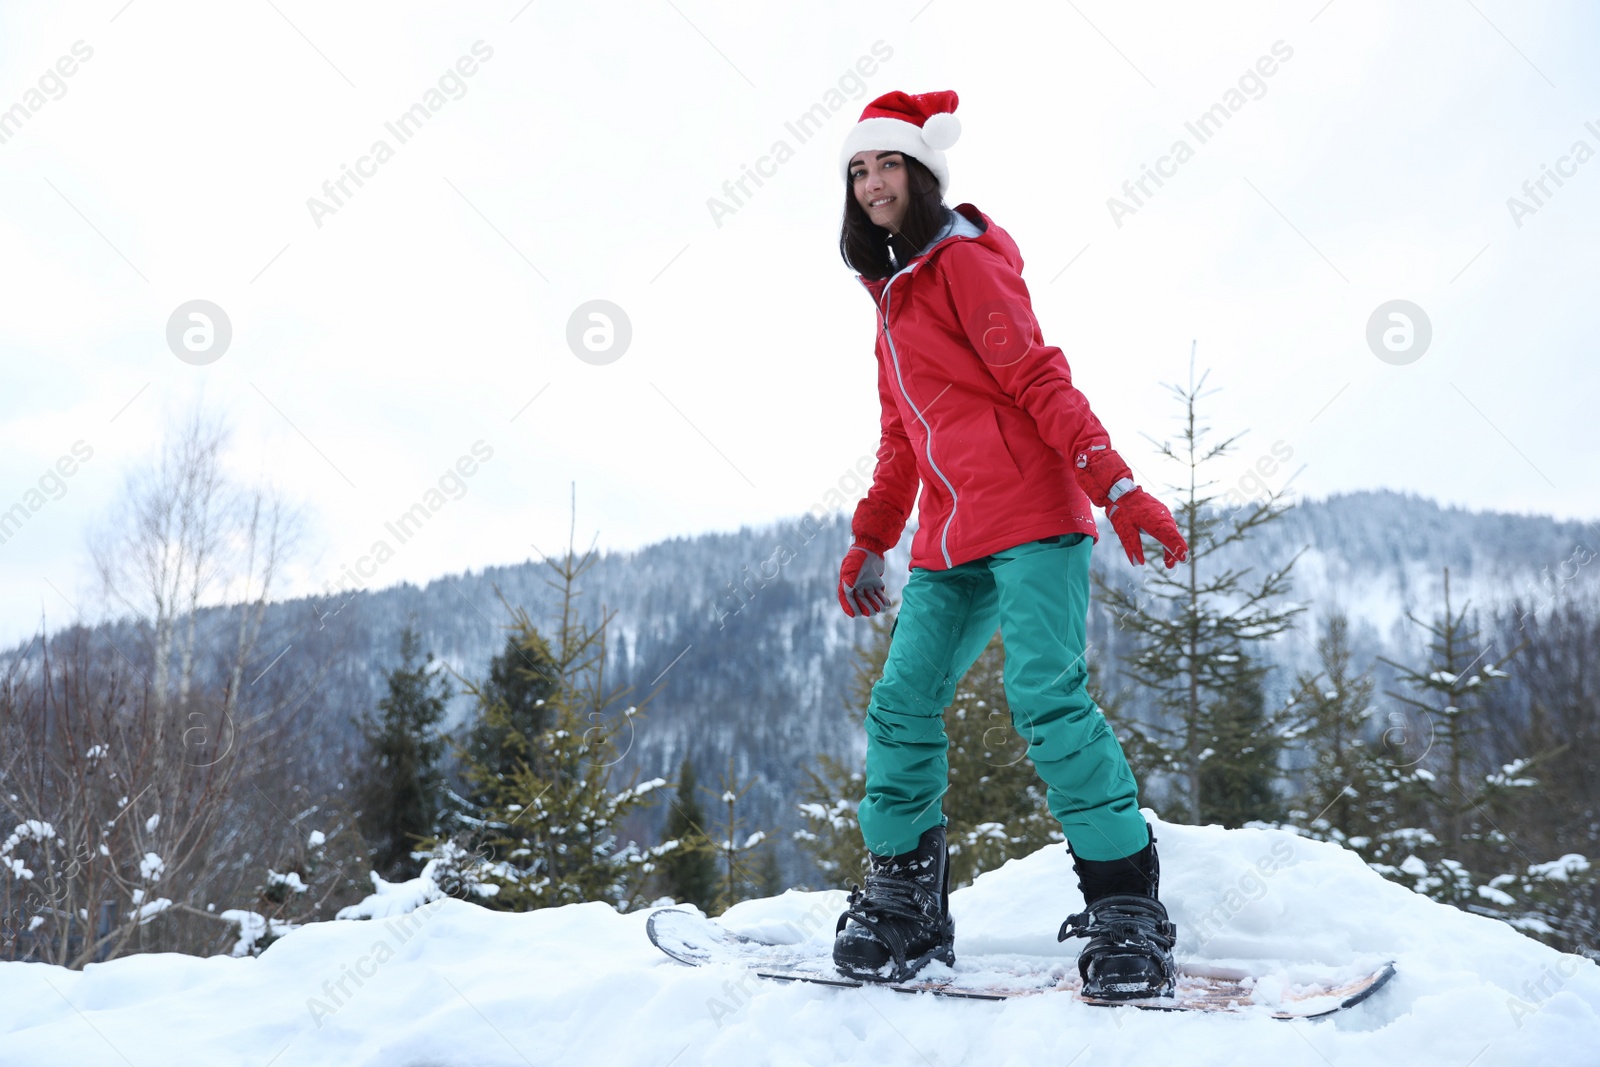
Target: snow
[145, 912]
[392, 898]
[1496, 896]
[253, 926]
[290, 881]
[31, 830]
[442, 982]
[1560, 870]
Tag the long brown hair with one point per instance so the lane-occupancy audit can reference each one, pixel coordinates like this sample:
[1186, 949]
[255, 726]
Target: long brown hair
[865, 245]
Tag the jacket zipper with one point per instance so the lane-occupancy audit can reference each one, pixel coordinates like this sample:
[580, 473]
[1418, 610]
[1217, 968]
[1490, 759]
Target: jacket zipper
[944, 533]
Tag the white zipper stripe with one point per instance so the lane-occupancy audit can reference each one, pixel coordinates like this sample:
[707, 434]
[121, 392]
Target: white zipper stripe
[944, 533]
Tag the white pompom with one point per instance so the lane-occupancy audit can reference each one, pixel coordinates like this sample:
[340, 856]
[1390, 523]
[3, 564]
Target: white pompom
[941, 130]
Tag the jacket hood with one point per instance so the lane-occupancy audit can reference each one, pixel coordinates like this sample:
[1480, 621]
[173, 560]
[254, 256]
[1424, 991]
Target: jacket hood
[966, 223]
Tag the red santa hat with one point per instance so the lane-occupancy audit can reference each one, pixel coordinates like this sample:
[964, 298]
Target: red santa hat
[920, 125]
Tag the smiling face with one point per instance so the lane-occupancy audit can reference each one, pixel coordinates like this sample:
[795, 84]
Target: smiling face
[878, 182]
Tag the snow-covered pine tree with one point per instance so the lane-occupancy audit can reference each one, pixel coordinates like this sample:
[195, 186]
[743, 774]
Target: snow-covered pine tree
[1548, 710]
[1345, 788]
[1211, 738]
[553, 821]
[400, 784]
[689, 871]
[1450, 846]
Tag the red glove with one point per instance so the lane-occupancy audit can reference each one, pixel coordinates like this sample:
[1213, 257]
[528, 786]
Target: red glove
[1136, 511]
[861, 589]
[1132, 511]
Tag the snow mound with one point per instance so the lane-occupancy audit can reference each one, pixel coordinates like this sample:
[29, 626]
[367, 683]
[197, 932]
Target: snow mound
[454, 983]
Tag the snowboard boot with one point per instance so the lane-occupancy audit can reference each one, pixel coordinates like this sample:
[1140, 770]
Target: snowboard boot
[901, 919]
[1129, 954]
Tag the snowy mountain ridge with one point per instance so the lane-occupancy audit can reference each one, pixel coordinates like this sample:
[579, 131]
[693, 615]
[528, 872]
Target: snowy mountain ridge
[742, 633]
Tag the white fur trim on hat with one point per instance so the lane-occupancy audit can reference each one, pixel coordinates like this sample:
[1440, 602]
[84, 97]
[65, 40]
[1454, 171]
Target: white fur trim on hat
[897, 135]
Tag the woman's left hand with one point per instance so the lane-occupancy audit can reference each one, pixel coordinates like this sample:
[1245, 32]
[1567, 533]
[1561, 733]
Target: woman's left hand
[1136, 512]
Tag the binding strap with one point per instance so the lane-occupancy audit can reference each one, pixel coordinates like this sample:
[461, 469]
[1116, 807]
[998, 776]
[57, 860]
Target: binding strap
[887, 897]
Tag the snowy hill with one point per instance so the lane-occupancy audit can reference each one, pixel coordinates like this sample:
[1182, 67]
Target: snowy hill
[457, 984]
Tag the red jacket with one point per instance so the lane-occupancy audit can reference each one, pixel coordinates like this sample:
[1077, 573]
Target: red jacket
[975, 405]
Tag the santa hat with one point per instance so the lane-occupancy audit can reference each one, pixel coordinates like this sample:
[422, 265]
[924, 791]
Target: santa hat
[920, 125]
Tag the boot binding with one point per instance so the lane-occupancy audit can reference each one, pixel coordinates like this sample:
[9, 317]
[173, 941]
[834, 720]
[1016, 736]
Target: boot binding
[895, 912]
[1129, 954]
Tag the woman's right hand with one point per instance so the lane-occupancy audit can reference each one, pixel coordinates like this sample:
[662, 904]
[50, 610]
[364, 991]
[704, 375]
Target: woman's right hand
[861, 588]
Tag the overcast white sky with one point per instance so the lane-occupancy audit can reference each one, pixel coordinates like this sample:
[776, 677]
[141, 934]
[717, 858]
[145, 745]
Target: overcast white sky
[371, 352]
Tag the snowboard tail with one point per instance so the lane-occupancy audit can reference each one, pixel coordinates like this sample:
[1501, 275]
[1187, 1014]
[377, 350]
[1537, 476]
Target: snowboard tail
[697, 941]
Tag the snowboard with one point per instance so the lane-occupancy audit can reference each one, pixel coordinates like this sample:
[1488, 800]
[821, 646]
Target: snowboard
[697, 941]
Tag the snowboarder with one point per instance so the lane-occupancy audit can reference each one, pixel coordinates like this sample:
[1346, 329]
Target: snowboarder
[983, 414]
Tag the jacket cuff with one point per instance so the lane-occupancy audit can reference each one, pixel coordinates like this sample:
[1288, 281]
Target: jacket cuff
[876, 527]
[1100, 468]
[871, 545]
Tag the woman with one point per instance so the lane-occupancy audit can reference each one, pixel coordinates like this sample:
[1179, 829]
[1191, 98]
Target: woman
[983, 414]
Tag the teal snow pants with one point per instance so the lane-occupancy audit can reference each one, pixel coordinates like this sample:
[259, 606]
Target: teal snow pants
[1038, 595]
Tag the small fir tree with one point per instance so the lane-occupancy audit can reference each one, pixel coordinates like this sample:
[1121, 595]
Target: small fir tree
[739, 880]
[552, 823]
[1195, 629]
[1548, 711]
[1348, 777]
[1450, 846]
[1241, 756]
[689, 871]
[400, 784]
[769, 874]
[513, 702]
